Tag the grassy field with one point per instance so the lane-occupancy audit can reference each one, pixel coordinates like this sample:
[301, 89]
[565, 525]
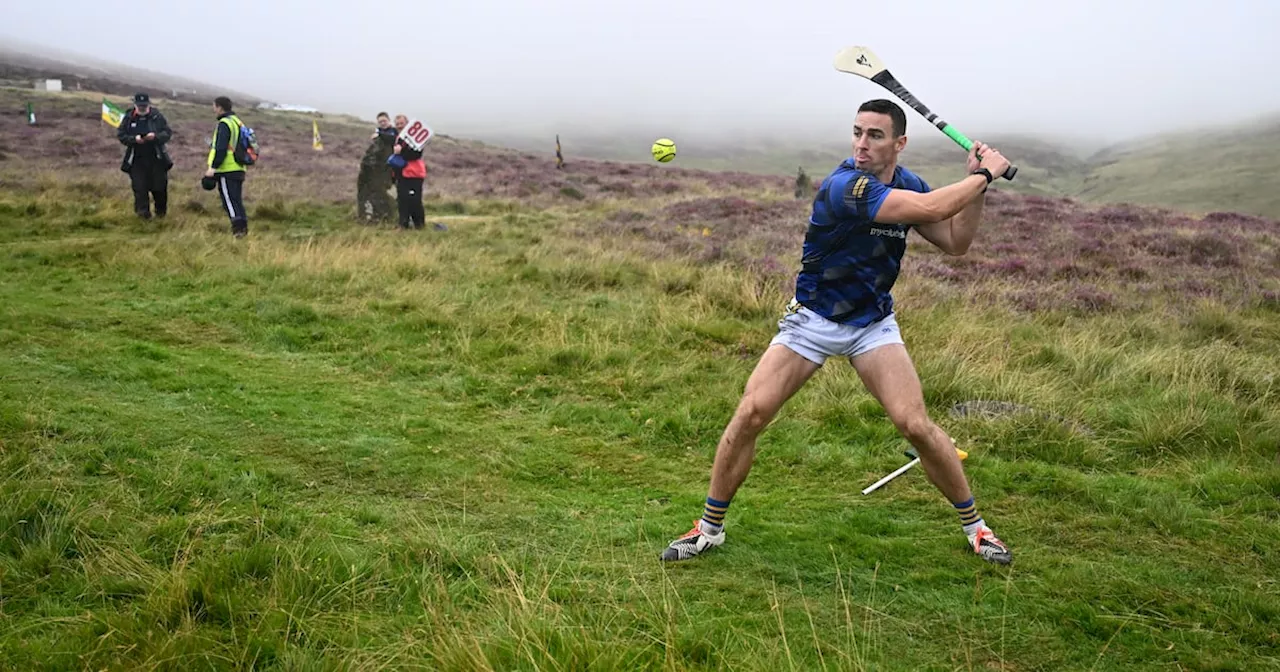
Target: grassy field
[335, 446]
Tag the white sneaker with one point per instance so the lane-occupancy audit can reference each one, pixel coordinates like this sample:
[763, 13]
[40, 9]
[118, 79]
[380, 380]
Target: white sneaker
[991, 549]
[692, 543]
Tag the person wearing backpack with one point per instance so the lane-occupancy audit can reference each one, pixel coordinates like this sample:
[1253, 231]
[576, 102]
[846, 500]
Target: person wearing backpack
[232, 151]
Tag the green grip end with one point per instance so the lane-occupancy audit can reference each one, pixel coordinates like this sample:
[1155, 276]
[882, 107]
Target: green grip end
[959, 137]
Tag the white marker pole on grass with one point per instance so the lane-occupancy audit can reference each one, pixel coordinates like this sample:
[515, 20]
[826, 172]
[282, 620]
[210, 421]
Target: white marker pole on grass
[896, 473]
[903, 469]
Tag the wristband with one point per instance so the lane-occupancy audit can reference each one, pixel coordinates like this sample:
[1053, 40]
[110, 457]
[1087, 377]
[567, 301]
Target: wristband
[985, 173]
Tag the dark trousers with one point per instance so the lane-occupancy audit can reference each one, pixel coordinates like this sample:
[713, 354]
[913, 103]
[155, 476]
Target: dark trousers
[150, 179]
[231, 192]
[409, 198]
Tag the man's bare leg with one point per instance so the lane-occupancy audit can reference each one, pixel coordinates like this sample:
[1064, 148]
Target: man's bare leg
[890, 376]
[779, 374]
[777, 377]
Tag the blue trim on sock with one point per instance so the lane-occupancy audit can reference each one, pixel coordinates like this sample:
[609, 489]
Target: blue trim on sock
[717, 503]
[963, 505]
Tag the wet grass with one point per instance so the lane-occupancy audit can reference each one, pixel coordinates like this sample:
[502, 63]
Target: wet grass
[329, 446]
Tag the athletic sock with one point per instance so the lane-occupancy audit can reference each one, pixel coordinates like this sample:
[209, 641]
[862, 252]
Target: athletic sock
[969, 518]
[713, 515]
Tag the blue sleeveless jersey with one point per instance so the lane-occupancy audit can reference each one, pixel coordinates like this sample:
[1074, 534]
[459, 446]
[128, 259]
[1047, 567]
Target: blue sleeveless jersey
[850, 262]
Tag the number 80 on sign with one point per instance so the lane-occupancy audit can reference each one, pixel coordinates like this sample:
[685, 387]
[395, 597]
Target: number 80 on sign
[416, 134]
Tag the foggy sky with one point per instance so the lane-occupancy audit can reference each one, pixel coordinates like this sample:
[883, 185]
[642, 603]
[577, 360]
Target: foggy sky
[1102, 70]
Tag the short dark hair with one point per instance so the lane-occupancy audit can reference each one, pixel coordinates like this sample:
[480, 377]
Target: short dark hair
[382, 114]
[223, 102]
[883, 106]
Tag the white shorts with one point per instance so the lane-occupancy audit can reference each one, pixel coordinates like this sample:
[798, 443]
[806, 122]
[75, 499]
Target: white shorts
[816, 338]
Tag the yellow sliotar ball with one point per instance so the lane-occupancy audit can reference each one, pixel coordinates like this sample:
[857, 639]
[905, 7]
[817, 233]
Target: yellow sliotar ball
[664, 150]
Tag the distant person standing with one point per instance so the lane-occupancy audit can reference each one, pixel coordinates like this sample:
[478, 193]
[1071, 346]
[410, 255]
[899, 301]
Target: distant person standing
[411, 175]
[225, 168]
[144, 133]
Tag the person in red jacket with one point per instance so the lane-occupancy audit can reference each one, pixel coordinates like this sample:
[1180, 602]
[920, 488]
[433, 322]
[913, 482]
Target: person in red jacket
[411, 175]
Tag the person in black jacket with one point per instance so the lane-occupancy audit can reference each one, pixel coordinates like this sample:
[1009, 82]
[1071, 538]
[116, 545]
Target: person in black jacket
[144, 132]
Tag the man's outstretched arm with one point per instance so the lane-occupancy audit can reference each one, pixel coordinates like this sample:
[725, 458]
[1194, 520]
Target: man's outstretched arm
[901, 206]
[954, 235]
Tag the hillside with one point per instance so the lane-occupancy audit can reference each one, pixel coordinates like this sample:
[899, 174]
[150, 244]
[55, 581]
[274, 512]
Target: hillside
[71, 138]
[1163, 170]
[1237, 169]
[1044, 168]
[22, 64]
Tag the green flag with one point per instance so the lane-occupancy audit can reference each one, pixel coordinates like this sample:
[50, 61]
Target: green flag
[31, 115]
[111, 114]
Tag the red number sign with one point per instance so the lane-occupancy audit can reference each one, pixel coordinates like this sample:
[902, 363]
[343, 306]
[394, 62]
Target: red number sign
[416, 134]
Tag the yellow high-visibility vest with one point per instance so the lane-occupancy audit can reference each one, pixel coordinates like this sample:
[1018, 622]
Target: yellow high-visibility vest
[229, 164]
